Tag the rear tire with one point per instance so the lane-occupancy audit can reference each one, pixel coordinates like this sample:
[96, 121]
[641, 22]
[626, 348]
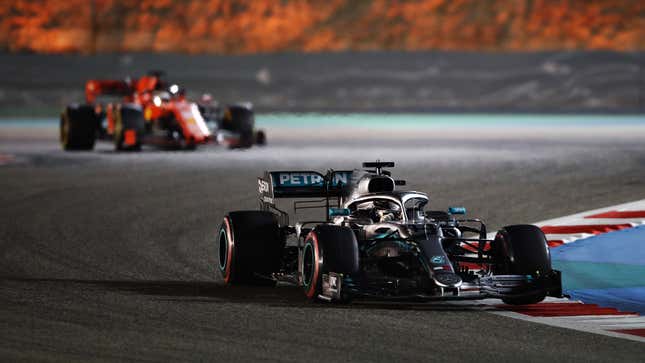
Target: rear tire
[250, 245]
[328, 248]
[78, 126]
[522, 250]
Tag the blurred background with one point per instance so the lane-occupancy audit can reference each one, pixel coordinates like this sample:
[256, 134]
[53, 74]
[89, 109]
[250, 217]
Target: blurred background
[534, 56]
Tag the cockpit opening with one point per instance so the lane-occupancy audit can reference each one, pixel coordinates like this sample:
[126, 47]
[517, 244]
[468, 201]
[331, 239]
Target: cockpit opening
[376, 210]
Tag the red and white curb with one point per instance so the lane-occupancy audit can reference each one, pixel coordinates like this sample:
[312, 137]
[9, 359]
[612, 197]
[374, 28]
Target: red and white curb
[576, 315]
[586, 224]
[590, 318]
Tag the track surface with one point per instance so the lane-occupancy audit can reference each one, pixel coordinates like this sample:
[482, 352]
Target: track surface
[107, 256]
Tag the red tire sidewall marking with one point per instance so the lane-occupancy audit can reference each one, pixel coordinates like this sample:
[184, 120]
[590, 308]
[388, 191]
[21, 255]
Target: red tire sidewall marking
[229, 250]
[314, 277]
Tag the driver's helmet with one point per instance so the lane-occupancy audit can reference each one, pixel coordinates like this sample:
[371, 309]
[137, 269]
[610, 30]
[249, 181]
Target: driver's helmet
[362, 210]
[206, 99]
[382, 204]
[387, 210]
[160, 97]
[377, 211]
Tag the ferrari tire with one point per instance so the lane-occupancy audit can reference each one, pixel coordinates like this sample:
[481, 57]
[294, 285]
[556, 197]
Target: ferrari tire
[328, 248]
[250, 246]
[78, 126]
[129, 128]
[245, 141]
[522, 250]
[240, 121]
[260, 138]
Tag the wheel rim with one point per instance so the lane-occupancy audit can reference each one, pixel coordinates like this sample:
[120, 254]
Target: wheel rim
[308, 265]
[223, 250]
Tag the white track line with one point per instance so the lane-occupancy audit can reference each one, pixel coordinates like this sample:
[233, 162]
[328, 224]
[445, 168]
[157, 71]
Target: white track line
[595, 221]
[567, 238]
[637, 205]
[563, 322]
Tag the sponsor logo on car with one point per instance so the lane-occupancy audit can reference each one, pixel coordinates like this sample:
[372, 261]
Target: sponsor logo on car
[437, 260]
[300, 179]
[263, 186]
[305, 179]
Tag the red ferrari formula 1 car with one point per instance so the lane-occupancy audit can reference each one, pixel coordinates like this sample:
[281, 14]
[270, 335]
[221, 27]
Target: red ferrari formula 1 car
[148, 110]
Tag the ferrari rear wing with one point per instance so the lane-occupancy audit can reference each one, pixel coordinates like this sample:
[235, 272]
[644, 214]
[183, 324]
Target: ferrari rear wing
[97, 87]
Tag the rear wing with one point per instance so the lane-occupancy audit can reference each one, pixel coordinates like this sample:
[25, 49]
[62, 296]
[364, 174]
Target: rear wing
[302, 184]
[96, 87]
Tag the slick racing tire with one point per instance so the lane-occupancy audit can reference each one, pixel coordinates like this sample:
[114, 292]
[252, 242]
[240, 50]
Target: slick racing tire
[247, 139]
[129, 128]
[78, 126]
[328, 248]
[260, 138]
[522, 250]
[240, 120]
[250, 246]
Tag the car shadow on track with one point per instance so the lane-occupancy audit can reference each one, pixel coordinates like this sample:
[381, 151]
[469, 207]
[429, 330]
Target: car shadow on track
[213, 292]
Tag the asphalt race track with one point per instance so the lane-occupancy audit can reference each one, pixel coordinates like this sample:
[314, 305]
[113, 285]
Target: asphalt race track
[110, 256]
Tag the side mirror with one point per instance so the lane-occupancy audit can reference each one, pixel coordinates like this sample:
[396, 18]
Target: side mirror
[457, 210]
[339, 212]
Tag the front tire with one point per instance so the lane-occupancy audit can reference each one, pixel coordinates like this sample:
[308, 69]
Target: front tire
[260, 138]
[129, 128]
[240, 120]
[522, 250]
[328, 248]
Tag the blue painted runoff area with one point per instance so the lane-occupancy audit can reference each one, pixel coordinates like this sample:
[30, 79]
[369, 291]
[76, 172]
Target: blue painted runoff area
[607, 269]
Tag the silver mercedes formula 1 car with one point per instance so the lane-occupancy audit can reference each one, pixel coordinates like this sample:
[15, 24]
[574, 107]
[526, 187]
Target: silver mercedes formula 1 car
[379, 242]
